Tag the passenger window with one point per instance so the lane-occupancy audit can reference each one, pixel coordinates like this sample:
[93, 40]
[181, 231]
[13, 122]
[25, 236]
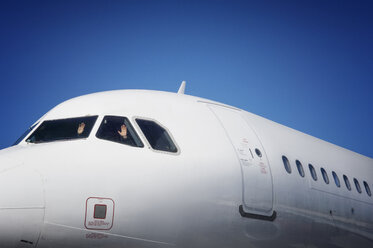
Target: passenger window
[300, 168]
[63, 129]
[367, 189]
[347, 182]
[157, 136]
[118, 129]
[258, 152]
[336, 179]
[313, 172]
[325, 175]
[357, 185]
[286, 164]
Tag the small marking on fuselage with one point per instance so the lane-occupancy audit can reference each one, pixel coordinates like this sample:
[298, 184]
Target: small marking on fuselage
[27, 242]
[96, 236]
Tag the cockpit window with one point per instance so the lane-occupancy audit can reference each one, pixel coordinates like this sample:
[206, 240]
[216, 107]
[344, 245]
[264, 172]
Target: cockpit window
[25, 134]
[118, 129]
[63, 129]
[157, 136]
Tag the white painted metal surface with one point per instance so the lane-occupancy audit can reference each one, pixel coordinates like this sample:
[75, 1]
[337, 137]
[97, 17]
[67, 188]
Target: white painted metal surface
[186, 199]
[256, 173]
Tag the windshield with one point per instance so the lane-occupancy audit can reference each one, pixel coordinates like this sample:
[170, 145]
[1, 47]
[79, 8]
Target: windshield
[158, 137]
[63, 129]
[25, 134]
[118, 129]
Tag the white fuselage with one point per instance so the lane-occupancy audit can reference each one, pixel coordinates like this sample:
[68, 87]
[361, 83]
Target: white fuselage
[215, 191]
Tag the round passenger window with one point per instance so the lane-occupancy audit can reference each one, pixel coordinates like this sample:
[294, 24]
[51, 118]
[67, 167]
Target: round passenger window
[367, 189]
[336, 179]
[325, 175]
[258, 152]
[347, 182]
[313, 172]
[357, 184]
[286, 164]
[300, 168]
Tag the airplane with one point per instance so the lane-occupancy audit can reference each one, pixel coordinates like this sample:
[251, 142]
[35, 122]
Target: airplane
[142, 168]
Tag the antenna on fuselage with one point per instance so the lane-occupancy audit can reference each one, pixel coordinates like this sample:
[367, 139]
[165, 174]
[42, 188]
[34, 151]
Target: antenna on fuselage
[182, 88]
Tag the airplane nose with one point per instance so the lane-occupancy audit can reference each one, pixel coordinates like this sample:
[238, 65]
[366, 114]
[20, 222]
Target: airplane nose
[21, 204]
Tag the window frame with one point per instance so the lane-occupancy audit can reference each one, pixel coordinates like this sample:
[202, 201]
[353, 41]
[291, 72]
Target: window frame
[367, 189]
[145, 140]
[137, 133]
[300, 168]
[313, 172]
[36, 127]
[286, 164]
[324, 175]
[357, 186]
[347, 182]
[26, 133]
[336, 179]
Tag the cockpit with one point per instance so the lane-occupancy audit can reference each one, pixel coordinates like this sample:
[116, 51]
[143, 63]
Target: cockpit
[117, 129]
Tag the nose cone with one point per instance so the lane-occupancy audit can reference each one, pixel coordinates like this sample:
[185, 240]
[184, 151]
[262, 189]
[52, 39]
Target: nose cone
[21, 204]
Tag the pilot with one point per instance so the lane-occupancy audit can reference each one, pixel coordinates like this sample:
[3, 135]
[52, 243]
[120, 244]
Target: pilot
[123, 132]
[80, 128]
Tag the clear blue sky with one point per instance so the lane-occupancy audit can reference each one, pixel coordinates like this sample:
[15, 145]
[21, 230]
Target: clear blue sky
[304, 64]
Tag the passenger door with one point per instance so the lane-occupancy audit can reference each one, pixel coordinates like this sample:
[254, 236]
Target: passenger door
[257, 196]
